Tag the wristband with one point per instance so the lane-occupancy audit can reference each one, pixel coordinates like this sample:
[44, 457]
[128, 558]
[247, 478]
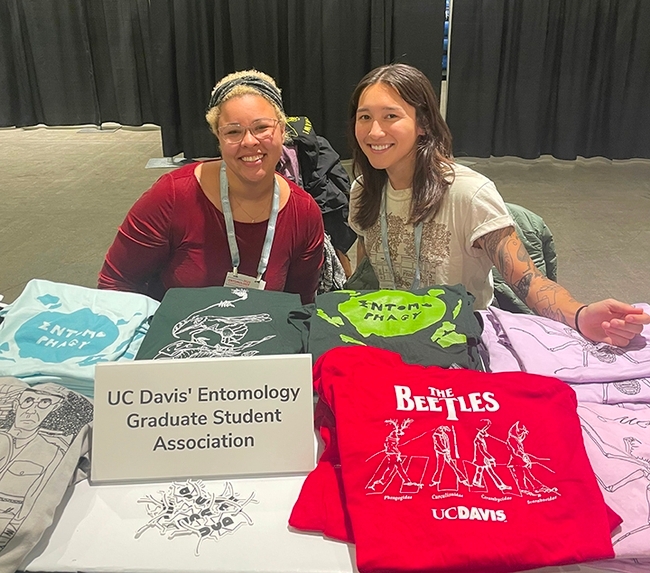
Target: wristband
[575, 318]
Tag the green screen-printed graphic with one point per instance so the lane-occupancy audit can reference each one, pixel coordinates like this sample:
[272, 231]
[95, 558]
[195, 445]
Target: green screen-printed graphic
[393, 313]
[446, 335]
[458, 308]
[350, 340]
[334, 321]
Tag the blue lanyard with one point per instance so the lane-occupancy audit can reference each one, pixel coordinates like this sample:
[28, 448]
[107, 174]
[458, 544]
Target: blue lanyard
[230, 225]
[384, 242]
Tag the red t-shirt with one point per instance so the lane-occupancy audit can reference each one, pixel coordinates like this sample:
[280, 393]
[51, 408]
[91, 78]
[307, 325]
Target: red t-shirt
[428, 469]
[173, 236]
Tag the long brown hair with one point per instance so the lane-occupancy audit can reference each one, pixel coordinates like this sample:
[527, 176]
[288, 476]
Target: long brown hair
[433, 174]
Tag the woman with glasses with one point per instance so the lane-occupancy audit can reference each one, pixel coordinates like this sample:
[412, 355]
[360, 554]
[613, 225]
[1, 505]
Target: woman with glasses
[231, 222]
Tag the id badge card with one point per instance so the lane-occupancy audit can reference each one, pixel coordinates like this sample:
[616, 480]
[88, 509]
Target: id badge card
[239, 280]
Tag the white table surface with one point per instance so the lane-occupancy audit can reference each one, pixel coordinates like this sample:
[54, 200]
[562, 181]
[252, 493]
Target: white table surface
[96, 529]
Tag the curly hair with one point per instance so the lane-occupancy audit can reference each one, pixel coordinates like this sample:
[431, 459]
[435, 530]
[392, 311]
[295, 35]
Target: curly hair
[241, 83]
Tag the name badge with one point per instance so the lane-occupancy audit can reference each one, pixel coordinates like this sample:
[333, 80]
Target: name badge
[240, 280]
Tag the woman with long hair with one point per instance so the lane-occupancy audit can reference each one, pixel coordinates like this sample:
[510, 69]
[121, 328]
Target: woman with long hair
[423, 219]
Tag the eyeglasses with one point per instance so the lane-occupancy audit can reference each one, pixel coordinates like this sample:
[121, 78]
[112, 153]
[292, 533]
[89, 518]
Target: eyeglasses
[259, 129]
[41, 402]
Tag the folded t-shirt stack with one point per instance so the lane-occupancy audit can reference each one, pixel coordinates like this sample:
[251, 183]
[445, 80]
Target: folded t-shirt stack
[432, 326]
[58, 332]
[547, 347]
[598, 372]
[496, 350]
[618, 446]
[44, 441]
[631, 394]
[615, 416]
[216, 322]
[432, 469]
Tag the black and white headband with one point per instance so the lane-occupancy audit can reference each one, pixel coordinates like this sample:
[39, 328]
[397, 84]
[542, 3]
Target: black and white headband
[265, 88]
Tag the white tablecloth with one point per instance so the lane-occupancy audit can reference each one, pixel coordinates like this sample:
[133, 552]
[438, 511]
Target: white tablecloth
[96, 532]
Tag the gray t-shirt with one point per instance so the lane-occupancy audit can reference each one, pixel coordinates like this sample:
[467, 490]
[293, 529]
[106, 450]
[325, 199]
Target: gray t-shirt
[471, 208]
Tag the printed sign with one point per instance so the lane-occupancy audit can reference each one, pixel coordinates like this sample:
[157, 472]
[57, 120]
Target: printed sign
[242, 416]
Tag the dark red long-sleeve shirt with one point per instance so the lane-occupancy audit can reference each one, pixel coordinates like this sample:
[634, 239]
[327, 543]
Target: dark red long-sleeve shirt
[173, 236]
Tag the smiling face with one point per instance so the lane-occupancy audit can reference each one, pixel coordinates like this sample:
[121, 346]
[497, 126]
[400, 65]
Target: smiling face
[252, 161]
[387, 131]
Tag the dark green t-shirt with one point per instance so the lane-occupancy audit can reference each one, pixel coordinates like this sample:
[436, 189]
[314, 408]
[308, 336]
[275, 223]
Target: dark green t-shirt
[215, 322]
[432, 326]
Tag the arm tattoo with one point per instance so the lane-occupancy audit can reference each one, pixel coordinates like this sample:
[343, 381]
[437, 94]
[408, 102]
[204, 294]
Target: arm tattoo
[500, 246]
[492, 241]
[510, 257]
[548, 301]
[522, 253]
[522, 286]
[555, 315]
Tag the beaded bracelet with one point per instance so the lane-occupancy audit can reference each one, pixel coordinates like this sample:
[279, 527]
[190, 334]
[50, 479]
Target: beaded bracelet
[575, 318]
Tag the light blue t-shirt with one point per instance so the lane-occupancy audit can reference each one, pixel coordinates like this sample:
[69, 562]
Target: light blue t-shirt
[61, 330]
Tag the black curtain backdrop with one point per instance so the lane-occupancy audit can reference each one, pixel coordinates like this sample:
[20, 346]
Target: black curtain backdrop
[120, 48]
[47, 67]
[74, 62]
[561, 77]
[317, 50]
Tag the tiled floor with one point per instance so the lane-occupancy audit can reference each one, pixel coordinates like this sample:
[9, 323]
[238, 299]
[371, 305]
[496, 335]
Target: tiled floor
[64, 193]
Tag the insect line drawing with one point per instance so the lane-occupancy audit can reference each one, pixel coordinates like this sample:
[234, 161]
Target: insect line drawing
[213, 336]
[189, 509]
[442, 448]
[517, 476]
[642, 472]
[503, 340]
[392, 463]
[521, 463]
[601, 351]
[484, 461]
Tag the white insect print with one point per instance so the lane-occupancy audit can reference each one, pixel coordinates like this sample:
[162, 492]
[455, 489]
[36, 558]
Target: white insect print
[392, 464]
[189, 509]
[521, 464]
[499, 464]
[600, 351]
[642, 472]
[485, 462]
[205, 335]
[443, 437]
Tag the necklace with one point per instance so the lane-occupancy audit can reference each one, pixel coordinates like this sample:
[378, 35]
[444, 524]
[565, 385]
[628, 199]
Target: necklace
[258, 216]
